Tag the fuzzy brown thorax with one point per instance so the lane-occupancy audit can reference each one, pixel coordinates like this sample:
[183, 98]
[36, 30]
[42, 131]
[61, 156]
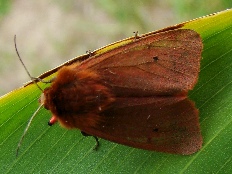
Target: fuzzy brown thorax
[76, 93]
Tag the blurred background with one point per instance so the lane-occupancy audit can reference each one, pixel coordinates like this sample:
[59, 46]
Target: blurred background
[50, 32]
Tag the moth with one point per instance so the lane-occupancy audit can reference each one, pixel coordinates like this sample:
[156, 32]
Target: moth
[135, 94]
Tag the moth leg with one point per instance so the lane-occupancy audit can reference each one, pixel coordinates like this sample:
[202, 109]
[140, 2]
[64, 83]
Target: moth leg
[96, 139]
[89, 52]
[136, 35]
[43, 81]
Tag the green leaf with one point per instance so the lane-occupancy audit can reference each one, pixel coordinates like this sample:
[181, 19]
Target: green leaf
[56, 150]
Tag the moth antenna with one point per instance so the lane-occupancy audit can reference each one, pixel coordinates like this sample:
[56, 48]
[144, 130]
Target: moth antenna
[32, 78]
[26, 129]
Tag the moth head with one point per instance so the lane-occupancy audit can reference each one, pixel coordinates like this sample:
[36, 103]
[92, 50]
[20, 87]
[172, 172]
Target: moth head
[42, 101]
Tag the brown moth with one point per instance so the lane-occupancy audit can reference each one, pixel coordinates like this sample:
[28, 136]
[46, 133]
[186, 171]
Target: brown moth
[134, 94]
